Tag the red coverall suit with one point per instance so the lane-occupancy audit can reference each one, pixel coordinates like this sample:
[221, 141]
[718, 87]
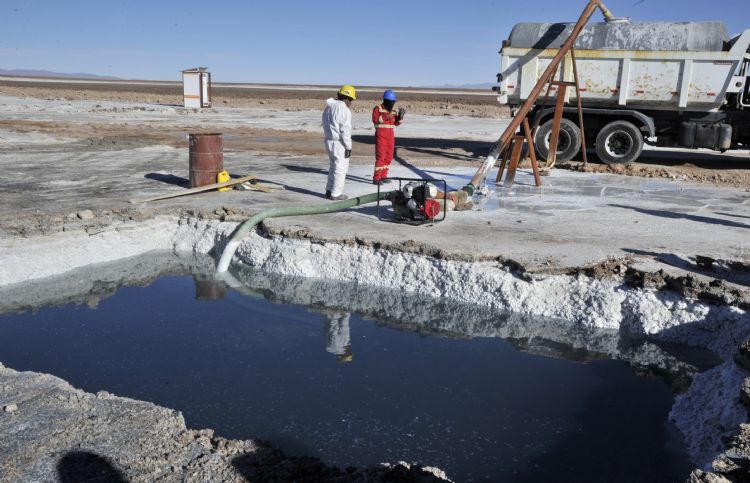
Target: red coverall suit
[385, 121]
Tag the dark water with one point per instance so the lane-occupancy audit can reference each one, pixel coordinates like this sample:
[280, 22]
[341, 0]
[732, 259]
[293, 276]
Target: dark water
[477, 408]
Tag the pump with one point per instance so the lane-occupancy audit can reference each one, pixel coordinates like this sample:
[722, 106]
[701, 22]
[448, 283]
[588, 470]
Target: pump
[416, 202]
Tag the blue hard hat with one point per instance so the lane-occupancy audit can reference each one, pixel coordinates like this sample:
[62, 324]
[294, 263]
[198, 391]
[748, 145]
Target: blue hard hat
[389, 95]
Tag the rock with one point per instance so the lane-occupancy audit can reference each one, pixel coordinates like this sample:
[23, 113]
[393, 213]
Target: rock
[699, 476]
[742, 356]
[85, 215]
[723, 464]
[745, 393]
[437, 472]
[128, 440]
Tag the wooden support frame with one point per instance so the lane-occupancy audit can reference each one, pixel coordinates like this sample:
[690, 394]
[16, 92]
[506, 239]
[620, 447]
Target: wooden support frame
[530, 143]
[524, 110]
[503, 164]
[515, 159]
[579, 103]
[528, 133]
[513, 155]
[554, 140]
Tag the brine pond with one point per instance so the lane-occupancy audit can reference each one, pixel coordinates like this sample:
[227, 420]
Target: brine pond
[359, 376]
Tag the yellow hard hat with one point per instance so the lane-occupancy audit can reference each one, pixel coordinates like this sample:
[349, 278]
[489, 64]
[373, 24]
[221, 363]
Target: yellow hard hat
[348, 91]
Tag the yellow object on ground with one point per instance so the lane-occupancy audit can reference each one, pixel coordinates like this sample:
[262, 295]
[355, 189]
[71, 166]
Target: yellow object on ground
[223, 177]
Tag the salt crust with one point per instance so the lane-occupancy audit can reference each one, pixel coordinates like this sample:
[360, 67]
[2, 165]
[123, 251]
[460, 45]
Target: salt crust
[708, 411]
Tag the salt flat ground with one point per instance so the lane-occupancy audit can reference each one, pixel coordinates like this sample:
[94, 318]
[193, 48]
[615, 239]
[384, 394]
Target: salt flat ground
[58, 157]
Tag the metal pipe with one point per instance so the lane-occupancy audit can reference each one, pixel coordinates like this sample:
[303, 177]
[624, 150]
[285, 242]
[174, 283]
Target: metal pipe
[607, 13]
[243, 229]
[515, 123]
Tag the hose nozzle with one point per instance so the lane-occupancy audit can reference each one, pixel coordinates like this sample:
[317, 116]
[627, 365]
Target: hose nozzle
[608, 17]
[606, 12]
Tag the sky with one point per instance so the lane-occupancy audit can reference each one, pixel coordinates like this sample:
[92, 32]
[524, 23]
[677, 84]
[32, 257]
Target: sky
[384, 43]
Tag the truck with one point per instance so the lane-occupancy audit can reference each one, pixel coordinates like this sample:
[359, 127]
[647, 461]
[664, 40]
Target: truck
[668, 84]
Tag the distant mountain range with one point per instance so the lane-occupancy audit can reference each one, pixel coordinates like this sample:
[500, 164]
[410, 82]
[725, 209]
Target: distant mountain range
[46, 73]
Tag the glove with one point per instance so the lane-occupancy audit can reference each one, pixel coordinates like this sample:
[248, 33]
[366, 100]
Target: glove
[347, 153]
[401, 114]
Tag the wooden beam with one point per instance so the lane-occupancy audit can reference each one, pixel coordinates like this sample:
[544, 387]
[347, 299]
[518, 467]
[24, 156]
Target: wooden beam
[532, 154]
[199, 189]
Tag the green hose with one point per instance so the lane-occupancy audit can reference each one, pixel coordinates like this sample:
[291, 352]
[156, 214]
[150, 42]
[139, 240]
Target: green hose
[241, 232]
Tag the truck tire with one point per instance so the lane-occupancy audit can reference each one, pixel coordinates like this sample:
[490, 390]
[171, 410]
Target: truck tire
[619, 142]
[568, 144]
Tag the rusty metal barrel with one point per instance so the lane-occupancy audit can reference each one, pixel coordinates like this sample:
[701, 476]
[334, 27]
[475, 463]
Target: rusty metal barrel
[206, 158]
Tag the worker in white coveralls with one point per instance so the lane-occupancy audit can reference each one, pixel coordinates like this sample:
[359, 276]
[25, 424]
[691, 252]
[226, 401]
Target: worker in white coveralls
[337, 126]
[337, 334]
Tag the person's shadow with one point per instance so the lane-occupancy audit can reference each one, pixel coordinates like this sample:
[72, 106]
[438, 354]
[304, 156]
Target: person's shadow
[78, 466]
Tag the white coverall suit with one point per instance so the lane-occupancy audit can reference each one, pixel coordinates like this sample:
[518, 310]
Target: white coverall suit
[337, 333]
[337, 126]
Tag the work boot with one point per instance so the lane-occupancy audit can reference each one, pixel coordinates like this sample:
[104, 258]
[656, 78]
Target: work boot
[340, 197]
[328, 195]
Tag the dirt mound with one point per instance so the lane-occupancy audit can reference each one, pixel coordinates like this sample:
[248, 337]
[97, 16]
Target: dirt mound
[652, 166]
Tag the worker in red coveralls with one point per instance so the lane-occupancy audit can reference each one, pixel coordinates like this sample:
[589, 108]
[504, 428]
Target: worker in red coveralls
[385, 121]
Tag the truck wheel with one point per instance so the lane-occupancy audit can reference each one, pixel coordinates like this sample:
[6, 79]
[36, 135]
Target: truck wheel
[619, 142]
[568, 144]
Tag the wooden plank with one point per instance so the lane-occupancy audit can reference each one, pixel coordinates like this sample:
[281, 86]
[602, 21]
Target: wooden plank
[199, 189]
[580, 107]
[515, 159]
[506, 155]
[532, 154]
[556, 122]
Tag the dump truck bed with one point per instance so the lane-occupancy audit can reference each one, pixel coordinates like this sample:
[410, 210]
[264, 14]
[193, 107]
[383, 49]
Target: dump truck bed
[668, 66]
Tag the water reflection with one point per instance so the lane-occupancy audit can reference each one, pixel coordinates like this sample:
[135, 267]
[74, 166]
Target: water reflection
[338, 336]
[396, 309]
[207, 288]
[447, 318]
